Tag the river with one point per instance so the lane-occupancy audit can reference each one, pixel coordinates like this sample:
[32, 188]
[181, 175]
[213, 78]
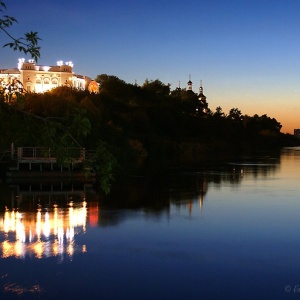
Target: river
[226, 231]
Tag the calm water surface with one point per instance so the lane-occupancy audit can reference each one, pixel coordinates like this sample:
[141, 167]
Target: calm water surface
[230, 231]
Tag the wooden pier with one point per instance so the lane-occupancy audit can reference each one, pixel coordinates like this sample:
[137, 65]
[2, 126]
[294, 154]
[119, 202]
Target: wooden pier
[43, 162]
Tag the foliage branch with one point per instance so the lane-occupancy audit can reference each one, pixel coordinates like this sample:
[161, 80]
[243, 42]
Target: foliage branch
[28, 44]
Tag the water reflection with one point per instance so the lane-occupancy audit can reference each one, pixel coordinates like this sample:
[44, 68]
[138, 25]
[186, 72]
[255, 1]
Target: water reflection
[43, 233]
[184, 190]
[14, 288]
[223, 231]
[43, 218]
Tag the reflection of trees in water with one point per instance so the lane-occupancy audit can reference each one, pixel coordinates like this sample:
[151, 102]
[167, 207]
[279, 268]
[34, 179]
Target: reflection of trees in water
[28, 196]
[291, 152]
[152, 196]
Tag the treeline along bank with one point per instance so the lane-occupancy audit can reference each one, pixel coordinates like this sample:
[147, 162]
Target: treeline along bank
[134, 130]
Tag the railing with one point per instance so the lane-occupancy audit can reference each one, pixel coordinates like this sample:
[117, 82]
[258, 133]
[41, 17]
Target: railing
[43, 153]
[34, 153]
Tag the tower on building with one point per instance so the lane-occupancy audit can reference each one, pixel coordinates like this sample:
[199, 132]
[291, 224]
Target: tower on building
[178, 88]
[202, 107]
[190, 84]
[201, 96]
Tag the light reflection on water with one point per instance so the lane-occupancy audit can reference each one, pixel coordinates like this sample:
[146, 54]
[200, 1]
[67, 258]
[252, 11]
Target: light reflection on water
[43, 233]
[228, 231]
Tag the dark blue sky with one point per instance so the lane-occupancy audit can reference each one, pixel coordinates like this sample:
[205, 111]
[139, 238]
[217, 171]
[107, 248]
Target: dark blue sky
[245, 52]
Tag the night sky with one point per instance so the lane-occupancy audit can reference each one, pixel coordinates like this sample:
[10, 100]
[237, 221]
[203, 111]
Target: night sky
[245, 52]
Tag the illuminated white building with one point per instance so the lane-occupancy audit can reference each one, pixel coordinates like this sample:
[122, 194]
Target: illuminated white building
[39, 79]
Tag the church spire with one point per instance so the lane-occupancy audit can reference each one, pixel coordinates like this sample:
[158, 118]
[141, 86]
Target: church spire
[190, 84]
[201, 96]
[200, 88]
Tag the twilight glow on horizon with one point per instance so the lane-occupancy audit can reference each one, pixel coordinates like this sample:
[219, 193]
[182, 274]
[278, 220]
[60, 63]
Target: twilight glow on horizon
[245, 52]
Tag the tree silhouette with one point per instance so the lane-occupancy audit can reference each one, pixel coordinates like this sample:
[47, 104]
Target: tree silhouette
[27, 44]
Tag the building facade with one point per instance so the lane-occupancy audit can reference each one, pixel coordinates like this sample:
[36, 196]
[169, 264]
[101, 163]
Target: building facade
[39, 79]
[297, 133]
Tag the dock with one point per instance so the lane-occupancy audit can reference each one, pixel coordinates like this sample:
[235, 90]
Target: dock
[42, 162]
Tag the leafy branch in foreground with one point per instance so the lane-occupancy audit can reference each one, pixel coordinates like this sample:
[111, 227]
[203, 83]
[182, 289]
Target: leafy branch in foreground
[27, 44]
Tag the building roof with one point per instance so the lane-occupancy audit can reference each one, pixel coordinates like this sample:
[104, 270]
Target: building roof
[10, 71]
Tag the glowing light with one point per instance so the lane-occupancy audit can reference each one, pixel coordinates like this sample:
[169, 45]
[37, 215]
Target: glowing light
[38, 225]
[20, 63]
[30, 235]
[7, 250]
[70, 249]
[55, 248]
[60, 235]
[70, 64]
[43, 234]
[46, 226]
[38, 249]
